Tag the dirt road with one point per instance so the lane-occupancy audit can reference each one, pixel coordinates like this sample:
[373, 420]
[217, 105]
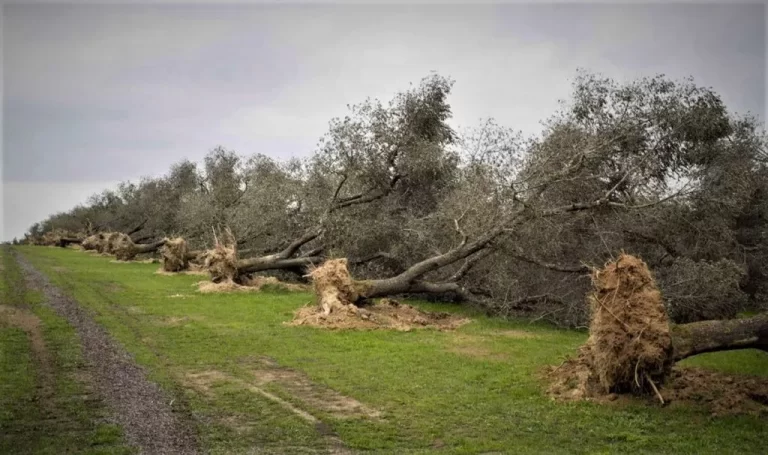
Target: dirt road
[138, 405]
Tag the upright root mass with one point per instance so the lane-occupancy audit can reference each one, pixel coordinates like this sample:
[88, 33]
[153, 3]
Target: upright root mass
[629, 349]
[221, 261]
[335, 308]
[174, 254]
[334, 286]
[92, 242]
[123, 247]
[110, 242]
[630, 342]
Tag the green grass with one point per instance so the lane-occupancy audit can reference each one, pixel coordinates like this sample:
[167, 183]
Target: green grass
[44, 404]
[470, 391]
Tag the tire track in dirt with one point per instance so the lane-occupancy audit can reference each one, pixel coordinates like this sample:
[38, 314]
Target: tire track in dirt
[203, 380]
[139, 405]
[25, 320]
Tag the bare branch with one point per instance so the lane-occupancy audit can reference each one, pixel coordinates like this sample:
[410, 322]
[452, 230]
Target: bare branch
[518, 254]
[138, 227]
[469, 263]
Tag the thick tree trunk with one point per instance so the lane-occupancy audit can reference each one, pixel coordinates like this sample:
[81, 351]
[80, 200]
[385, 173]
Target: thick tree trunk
[271, 263]
[66, 241]
[283, 259]
[142, 238]
[126, 250]
[149, 247]
[722, 335]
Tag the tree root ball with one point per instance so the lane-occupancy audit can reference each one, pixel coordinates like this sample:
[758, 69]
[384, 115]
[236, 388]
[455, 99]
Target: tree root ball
[92, 242]
[101, 242]
[109, 244]
[221, 263]
[123, 247]
[174, 254]
[629, 349]
[333, 285]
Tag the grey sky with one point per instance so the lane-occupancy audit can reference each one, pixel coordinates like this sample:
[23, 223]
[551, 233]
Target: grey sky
[98, 94]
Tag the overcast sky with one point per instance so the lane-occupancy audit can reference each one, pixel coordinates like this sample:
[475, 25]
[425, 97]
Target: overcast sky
[98, 94]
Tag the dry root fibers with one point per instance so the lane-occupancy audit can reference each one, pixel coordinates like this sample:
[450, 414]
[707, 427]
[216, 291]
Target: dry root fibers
[92, 242]
[334, 286]
[337, 292]
[221, 260]
[629, 350]
[174, 254]
[123, 247]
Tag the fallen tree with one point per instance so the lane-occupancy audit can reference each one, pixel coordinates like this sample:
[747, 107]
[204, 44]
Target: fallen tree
[60, 238]
[632, 346]
[336, 291]
[412, 280]
[64, 242]
[125, 249]
[223, 263]
[94, 242]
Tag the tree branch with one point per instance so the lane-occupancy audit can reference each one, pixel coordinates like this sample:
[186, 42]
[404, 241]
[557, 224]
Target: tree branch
[138, 227]
[518, 254]
[469, 263]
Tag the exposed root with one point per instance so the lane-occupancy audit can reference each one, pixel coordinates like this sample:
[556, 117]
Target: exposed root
[94, 242]
[221, 261]
[629, 349]
[56, 236]
[719, 393]
[174, 254]
[107, 246]
[123, 247]
[334, 286]
[386, 314]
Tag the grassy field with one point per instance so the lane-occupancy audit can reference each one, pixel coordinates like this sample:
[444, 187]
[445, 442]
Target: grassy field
[45, 404]
[230, 360]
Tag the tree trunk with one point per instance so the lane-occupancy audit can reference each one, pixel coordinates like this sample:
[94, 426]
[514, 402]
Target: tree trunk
[282, 259]
[223, 264]
[149, 247]
[721, 335]
[126, 250]
[65, 241]
[271, 263]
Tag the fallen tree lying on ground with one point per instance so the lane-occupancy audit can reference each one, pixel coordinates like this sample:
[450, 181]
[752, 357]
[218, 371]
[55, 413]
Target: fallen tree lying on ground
[93, 242]
[223, 264]
[126, 250]
[60, 238]
[335, 307]
[632, 346]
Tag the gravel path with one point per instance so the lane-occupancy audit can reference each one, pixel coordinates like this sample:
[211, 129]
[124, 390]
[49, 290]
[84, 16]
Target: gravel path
[139, 406]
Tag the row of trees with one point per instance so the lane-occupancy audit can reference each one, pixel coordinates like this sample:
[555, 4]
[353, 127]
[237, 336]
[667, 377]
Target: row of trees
[654, 167]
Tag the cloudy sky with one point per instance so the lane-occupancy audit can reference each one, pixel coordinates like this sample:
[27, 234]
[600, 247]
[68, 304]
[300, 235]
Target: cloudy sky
[93, 95]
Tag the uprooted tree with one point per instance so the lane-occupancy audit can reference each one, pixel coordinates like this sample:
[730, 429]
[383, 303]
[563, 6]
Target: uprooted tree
[177, 257]
[223, 264]
[364, 159]
[485, 214]
[632, 345]
[615, 156]
[125, 249]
